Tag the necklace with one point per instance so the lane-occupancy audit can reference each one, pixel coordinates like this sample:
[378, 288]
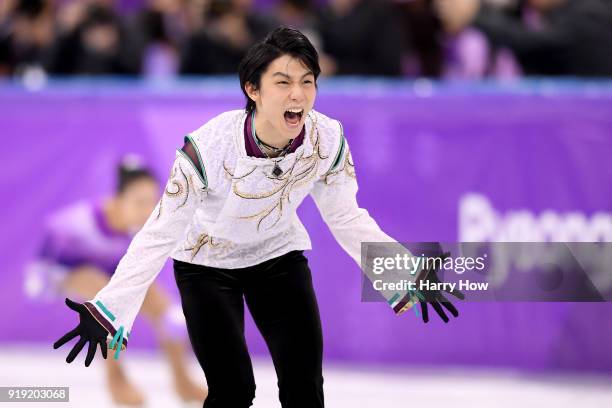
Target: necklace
[261, 145]
[272, 148]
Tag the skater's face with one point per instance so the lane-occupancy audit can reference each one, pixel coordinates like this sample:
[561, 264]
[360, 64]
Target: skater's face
[137, 201]
[286, 94]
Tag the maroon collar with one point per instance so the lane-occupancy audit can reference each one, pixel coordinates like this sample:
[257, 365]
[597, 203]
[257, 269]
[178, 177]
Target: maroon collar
[253, 150]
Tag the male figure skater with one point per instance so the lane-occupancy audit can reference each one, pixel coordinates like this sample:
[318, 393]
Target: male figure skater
[228, 219]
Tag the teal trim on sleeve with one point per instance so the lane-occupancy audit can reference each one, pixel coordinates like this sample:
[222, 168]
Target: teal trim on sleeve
[105, 310]
[340, 153]
[201, 175]
[393, 298]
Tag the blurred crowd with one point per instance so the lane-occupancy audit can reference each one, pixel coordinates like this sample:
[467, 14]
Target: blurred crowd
[466, 39]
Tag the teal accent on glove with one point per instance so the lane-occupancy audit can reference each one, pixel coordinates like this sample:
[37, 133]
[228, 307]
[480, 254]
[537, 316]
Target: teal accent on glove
[118, 342]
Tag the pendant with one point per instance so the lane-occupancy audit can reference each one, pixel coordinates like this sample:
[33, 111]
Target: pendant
[277, 171]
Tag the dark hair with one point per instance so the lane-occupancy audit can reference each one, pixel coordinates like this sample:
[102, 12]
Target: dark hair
[281, 41]
[304, 5]
[131, 170]
[217, 9]
[30, 8]
[97, 15]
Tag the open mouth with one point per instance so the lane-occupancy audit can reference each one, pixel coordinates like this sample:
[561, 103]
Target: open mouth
[293, 116]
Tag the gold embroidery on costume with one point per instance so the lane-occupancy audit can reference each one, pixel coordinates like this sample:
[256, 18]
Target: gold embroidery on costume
[303, 170]
[179, 191]
[231, 175]
[202, 189]
[347, 166]
[203, 239]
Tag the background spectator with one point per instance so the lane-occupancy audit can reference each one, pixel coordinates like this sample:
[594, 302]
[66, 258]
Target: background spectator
[552, 37]
[453, 39]
[25, 35]
[347, 27]
[97, 45]
[231, 27]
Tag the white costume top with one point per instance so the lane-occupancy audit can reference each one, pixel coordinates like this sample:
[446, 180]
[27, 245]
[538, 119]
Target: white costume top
[235, 213]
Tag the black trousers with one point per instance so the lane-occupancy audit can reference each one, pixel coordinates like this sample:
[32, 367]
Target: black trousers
[281, 300]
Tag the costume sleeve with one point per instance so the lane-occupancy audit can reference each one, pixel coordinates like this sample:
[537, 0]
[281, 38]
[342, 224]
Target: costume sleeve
[118, 303]
[335, 195]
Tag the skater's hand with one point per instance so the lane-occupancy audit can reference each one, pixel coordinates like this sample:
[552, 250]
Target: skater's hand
[436, 298]
[89, 330]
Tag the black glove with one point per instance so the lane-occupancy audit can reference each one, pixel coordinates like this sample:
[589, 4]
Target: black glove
[436, 298]
[90, 331]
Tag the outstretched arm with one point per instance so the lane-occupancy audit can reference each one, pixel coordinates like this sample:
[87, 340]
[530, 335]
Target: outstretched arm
[335, 195]
[115, 306]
